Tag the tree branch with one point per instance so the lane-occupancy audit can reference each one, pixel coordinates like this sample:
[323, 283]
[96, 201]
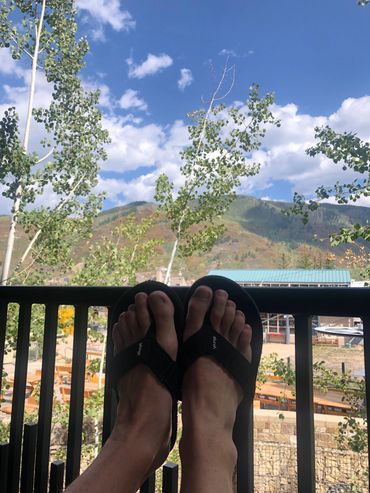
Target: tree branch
[46, 155]
[57, 208]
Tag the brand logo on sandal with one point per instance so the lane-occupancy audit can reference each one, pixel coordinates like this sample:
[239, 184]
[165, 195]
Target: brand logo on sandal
[214, 341]
[139, 349]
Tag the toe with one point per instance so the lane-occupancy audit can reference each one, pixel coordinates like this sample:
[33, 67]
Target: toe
[163, 313]
[199, 305]
[218, 308]
[244, 342]
[130, 326]
[117, 334]
[236, 328]
[142, 312]
[228, 318]
[160, 305]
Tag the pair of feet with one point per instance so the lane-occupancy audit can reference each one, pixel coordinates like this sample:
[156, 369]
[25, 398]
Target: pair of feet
[210, 398]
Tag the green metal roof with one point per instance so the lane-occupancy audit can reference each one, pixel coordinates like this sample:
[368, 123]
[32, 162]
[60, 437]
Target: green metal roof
[296, 276]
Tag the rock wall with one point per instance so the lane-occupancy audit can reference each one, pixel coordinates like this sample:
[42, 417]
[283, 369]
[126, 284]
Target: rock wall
[276, 455]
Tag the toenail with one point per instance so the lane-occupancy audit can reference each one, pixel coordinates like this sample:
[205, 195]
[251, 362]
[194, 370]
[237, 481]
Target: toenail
[222, 293]
[203, 293]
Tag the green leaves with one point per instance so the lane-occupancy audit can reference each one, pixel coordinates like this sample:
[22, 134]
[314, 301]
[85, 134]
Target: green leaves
[74, 140]
[353, 155]
[119, 256]
[217, 158]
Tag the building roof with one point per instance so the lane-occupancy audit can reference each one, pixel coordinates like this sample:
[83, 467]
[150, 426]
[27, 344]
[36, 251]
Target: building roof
[286, 276]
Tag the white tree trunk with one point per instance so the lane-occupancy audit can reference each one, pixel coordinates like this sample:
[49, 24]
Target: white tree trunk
[208, 113]
[19, 191]
[169, 266]
[9, 250]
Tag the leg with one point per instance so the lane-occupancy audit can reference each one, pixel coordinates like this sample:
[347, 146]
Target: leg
[139, 442]
[210, 399]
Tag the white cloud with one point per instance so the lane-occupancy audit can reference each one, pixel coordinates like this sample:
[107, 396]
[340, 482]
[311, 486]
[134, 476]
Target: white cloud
[17, 96]
[108, 12]
[363, 201]
[152, 65]
[227, 52]
[5, 203]
[353, 115]
[186, 78]
[9, 66]
[130, 99]
[136, 145]
[272, 199]
[232, 53]
[98, 33]
[132, 147]
[283, 155]
[122, 192]
[106, 100]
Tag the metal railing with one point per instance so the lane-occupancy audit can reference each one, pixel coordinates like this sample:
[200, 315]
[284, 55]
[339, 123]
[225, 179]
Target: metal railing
[33, 473]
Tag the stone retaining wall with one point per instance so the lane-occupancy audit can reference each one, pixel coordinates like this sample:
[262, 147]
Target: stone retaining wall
[276, 455]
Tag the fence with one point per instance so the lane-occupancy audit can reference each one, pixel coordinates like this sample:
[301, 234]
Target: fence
[29, 445]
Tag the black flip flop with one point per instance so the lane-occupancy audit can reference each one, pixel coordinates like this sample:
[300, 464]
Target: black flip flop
[208, 342]
[147, 351]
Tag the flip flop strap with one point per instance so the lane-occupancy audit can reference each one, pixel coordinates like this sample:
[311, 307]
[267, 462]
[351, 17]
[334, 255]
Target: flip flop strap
[147, 351]
[208, 342]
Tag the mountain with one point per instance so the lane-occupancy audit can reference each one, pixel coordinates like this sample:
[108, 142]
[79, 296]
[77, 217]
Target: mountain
[257, 235]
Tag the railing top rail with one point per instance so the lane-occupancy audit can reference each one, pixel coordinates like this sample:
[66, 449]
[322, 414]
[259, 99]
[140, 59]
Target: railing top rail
[310, 300]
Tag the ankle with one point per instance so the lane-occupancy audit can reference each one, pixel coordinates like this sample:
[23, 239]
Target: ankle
[200, 445]
[210, 418]
[152, 434]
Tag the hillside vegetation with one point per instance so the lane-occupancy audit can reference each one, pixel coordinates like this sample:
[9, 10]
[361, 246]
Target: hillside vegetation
[257, 235]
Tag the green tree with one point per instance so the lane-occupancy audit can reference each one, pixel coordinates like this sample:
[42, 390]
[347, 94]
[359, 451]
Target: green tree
[221, 139]
[72, 147]
[118, 257]
[353, 155]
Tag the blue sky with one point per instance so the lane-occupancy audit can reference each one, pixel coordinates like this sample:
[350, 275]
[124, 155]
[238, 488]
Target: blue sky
[154, 61]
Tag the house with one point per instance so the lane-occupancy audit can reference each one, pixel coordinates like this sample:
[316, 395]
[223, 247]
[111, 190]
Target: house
[280, 327]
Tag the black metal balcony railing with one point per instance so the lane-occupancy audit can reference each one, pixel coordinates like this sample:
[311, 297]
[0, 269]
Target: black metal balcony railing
[29, 446]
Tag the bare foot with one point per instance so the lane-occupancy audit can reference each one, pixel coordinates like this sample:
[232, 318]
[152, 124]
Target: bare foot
[139, 442]
[145, 405]
[211, 397]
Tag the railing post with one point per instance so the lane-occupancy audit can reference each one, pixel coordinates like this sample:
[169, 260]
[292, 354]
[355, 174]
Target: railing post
[109, 415]
[3, 319]
[28, 458]
[244, 440]
[149, 485]
[4, 458]
[304, 405]
[170, 477]
[77, 394]
[46, 398]
[20, 376]
[366, 324]
[56, 476]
